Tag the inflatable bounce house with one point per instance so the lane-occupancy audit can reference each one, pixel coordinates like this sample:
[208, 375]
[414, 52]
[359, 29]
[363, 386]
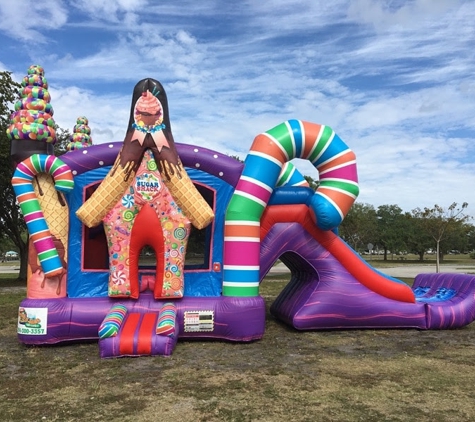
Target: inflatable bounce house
[213, 228]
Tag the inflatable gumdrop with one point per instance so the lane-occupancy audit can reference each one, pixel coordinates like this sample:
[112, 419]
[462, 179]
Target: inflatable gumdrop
[81, 138]
[32, 127]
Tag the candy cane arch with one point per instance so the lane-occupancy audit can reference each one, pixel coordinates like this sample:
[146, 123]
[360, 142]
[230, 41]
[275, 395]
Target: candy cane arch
[338, 189]
[22, 182]
[290, 176]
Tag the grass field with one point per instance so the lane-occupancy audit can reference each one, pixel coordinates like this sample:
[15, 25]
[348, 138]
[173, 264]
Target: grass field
[364, 375]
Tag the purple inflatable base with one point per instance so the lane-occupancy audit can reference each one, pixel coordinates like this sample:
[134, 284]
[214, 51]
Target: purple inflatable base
[239, 319]
[317, 301]
[449, 299]
[329, 301]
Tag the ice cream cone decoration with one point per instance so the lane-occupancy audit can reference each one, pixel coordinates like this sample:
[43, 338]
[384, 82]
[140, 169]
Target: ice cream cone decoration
[39, 176]
[40, 208]
[149, 128]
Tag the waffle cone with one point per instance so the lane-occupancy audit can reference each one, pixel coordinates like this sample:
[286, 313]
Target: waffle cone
[55, 213]
[195, 208]
[105, 197]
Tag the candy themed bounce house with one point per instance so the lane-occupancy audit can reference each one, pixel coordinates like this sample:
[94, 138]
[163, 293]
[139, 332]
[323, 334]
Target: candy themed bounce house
[215, 227]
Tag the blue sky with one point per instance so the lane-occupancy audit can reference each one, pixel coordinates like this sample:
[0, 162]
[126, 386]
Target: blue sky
[394, 78]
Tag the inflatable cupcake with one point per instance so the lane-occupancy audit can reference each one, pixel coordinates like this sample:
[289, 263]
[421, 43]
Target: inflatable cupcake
[148, 112]
[32, 127]
[81, 137]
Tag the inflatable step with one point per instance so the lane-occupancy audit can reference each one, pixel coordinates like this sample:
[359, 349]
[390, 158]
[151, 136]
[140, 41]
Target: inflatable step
[126, 333]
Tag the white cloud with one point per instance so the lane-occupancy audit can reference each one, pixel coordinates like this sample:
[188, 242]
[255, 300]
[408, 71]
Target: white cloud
[393, 79]
[29, 20]
[108, 115]
[111, 10]
[386, 14]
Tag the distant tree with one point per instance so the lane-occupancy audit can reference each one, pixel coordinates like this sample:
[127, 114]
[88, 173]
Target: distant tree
[471, 240]
[237, 158]
[62, 141]
[457, 239]
[359, 226]
[5, 244]
[391, 227]
[417, 240]
[312, 182]
[12, 224]
[440, 223]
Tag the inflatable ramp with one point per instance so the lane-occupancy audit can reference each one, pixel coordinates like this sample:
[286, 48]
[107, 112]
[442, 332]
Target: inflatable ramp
[126, 333]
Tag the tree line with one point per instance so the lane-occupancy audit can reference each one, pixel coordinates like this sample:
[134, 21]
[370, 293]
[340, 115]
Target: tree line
[438, 230]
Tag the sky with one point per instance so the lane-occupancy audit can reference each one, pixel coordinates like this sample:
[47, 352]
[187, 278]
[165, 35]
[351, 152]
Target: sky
[395, 79]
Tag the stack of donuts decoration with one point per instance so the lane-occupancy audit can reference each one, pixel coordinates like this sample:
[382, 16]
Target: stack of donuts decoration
[81, 138]
[33, 116]
[22, 182]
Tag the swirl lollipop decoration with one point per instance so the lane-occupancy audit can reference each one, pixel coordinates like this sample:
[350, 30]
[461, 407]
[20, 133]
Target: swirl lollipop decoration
[22, 182]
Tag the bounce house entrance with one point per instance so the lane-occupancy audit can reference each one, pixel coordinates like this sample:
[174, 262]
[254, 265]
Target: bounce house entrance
[146, 214]
[147, 230]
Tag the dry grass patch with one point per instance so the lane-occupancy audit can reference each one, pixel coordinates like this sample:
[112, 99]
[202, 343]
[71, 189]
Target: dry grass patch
[367, 375]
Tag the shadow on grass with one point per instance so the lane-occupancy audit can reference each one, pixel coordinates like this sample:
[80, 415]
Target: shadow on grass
[11, 280]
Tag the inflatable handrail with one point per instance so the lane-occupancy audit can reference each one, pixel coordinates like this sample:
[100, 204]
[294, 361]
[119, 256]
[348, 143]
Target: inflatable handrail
[22, 182]
[336, 193]
[112, 322]
[166, 323]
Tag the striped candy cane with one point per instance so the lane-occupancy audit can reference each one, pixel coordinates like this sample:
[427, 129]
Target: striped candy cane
[22, 182]
[290, 176]
[337, 191]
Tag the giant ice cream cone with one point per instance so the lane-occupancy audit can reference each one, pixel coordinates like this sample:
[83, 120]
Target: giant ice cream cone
[189, 200]
[32, 132]
[105, 196]
[149, 128]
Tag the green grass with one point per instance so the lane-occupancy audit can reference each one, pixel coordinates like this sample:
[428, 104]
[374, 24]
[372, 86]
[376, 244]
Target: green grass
[412, 259]
[10, 280]
[361, 375]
